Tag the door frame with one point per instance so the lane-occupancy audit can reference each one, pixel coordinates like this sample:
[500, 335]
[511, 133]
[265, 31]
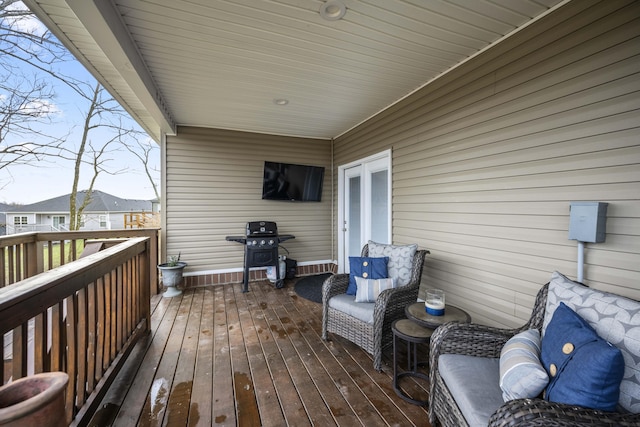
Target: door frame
[383, 155]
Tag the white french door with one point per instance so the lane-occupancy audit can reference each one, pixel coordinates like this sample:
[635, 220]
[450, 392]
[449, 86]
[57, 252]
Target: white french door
[364, 207]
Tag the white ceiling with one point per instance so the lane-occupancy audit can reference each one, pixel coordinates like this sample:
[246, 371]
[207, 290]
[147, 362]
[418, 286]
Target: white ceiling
[221, 64]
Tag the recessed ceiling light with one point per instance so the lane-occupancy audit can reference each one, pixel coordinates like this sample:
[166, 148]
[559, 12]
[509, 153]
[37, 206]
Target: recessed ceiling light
[332, 10]
[280, 101]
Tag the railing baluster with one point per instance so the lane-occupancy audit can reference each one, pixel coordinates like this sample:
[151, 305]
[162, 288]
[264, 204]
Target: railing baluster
[91, 335]
[63, 258]
[2, 365]
[19, 345]
[18, 267]
[12, 267]
[81, 344]
[126, 282]
[73, 250]
[3, 258]
[39, 343]
[100, 326]
[112, 321]
[49, 255]
[71, 355]
[55, 352]
[135, 290]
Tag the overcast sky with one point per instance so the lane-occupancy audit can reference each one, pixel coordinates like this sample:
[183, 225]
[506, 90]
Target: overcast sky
[47, 179]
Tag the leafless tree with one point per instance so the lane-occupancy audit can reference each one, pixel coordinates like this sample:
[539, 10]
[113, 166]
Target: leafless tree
[27, 109]
[143, 150]
[26, 100]
[105, 113]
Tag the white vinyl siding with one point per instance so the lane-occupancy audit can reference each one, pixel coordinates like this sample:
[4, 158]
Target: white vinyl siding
[487, 159]
[215, 187]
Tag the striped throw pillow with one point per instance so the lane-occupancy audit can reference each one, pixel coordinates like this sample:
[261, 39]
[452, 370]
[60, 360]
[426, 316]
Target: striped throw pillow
[369, 289]
[521, 372]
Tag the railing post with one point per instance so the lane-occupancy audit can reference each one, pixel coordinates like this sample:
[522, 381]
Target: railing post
[34, 258]
[145, 282]
[153, 262]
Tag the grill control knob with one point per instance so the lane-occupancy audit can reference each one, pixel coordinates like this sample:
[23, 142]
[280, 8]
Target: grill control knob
[271, 242]
[262, 242]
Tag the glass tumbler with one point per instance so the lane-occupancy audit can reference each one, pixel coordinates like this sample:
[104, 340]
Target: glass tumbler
[434, 304]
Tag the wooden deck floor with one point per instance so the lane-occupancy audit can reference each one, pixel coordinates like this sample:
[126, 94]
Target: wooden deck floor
[217, 356]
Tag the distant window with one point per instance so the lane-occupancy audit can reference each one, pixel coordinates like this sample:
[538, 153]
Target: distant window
[103, 221]
[58, 221]
[20, 220]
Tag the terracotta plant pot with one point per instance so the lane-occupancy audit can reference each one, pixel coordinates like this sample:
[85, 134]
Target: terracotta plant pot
[36, 400]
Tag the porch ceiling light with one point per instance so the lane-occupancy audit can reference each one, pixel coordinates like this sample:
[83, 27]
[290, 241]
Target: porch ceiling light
[280, 101]
[332, 10]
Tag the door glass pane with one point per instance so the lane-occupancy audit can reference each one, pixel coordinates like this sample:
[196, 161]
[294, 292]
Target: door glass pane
[379, 207]
[353, 221]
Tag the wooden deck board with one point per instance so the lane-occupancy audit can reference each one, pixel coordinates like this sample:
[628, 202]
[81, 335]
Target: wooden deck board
[201, 406]
[218, 357]
[261, 350]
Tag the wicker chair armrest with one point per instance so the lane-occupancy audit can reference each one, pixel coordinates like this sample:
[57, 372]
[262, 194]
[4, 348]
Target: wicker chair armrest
[334, 285]
[392, 302]
[539, 412]
[469, 339]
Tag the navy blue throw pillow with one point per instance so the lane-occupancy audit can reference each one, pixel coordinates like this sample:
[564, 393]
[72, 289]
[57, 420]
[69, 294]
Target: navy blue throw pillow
[367, 267]
[584, 369]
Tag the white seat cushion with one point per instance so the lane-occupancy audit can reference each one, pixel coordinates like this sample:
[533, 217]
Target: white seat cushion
[474, 384]
[347, 304]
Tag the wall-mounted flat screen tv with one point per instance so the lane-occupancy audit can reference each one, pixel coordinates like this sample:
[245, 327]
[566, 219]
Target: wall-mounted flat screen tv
[284, 181]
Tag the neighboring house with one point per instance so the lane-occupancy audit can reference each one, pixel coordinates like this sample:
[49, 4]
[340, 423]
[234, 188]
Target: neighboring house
[3, 217]
[483, 121]
[104, 212]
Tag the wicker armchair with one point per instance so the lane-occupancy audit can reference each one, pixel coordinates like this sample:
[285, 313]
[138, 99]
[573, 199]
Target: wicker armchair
[388, 307]
[484, 341]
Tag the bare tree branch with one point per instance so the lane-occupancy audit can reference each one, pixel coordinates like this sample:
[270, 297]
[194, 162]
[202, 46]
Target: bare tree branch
[27, 105]
[103, 113]
[143, 152]
[31, 64]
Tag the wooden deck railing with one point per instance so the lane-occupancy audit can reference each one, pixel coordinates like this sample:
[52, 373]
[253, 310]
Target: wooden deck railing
[82, 318]
[27, 254]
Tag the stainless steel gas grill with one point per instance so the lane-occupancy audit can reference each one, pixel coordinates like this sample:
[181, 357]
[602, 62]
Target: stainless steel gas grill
[261, 244]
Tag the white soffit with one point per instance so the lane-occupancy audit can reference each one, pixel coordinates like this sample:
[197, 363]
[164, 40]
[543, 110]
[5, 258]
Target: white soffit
[224, 64]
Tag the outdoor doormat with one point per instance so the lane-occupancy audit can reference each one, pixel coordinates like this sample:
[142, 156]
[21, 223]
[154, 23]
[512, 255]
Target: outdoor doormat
[310, 287]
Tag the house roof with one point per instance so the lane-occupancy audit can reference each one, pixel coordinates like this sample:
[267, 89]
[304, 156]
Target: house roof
[100, 202]
[226, 64]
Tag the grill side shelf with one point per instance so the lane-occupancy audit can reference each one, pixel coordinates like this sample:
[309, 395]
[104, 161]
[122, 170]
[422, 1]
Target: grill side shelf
[239, 239]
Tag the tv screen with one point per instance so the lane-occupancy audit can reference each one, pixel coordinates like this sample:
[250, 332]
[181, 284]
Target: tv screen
[284, 181]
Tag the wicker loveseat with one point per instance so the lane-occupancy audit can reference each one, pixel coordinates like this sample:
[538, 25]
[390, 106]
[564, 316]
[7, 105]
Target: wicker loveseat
[389, 306]
[614, 318]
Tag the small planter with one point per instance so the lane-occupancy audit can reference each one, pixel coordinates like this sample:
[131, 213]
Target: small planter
[37, 400]
[171, 277]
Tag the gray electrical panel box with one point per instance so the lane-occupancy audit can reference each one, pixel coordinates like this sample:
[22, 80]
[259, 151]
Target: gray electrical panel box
[587, 221]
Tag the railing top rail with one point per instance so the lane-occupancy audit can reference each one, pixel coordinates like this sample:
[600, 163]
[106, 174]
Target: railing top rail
[16, 239]
[29, 297]
[44, 236]
[70, 235]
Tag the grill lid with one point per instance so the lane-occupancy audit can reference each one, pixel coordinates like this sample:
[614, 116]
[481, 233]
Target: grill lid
[262, 228]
